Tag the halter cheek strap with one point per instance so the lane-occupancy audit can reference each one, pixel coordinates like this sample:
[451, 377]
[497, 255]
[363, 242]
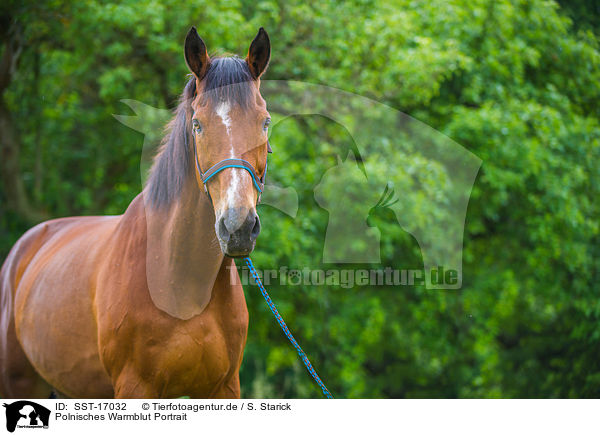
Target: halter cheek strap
[259, 182]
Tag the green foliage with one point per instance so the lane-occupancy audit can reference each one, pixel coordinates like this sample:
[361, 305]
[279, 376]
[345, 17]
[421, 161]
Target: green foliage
[515, 82]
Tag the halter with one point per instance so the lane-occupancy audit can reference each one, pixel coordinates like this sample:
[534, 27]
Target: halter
[259, 182]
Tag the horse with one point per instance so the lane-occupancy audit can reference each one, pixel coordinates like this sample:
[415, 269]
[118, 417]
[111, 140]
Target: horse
[149, 304]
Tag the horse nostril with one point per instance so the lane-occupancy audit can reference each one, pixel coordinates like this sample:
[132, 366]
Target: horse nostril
[255, 229]
[223, 233]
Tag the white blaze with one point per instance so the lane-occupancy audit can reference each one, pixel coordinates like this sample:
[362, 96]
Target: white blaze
[223, 112]
[232, 193]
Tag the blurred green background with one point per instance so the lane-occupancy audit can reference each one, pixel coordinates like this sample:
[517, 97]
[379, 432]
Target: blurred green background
[515, 82]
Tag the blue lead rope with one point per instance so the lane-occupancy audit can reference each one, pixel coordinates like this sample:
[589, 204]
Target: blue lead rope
[285, 329]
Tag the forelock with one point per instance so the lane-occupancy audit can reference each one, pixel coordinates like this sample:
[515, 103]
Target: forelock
[228, 80]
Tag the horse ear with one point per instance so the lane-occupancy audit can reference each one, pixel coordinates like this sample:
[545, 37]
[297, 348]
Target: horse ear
[196, 56]
[259, 54]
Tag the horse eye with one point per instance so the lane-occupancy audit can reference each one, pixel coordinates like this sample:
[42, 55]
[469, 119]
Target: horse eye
[266, 124]
[196, 125]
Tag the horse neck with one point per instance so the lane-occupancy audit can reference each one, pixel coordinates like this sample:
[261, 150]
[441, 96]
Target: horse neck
[183, 256]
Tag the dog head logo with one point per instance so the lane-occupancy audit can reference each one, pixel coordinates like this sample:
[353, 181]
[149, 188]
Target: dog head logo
[26, 414]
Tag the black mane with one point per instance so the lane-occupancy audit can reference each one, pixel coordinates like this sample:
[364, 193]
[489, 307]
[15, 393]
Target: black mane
[228, 79]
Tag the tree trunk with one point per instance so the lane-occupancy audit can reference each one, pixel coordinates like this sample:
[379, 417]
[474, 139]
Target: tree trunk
[10, 145]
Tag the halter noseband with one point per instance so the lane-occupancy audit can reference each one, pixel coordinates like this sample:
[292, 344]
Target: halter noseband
[258, 181]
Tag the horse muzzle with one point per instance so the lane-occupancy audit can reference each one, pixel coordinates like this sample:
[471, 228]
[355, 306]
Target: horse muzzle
[237, 230]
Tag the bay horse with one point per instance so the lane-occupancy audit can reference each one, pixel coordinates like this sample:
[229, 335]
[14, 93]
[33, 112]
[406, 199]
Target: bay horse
[149, 304]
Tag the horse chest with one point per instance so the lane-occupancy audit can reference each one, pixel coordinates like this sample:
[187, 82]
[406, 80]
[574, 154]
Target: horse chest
[174, 358]
[200, 357]
[206, 345]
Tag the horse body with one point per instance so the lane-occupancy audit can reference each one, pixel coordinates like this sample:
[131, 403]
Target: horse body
[146, 304]
[84, 319]
[53, 304]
